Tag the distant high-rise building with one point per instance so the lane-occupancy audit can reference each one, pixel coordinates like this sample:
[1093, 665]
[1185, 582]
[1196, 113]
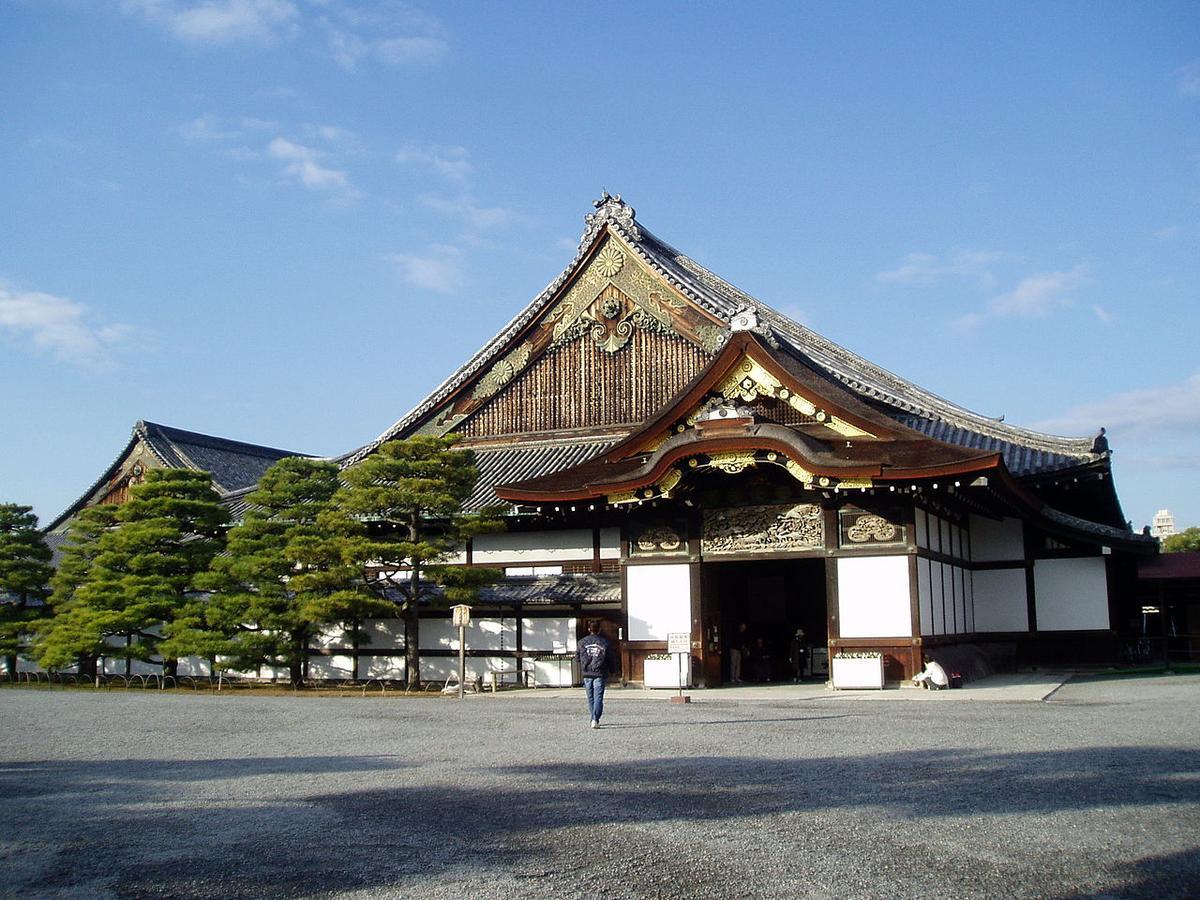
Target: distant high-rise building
[1164, 524]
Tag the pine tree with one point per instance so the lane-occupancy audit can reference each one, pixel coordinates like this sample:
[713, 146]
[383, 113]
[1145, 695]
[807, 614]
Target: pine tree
[286, 573]
[25, 572]
[410, 493]
[61, 640]
[144, 570]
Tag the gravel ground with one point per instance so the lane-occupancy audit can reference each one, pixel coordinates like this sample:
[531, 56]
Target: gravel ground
[1093, 793]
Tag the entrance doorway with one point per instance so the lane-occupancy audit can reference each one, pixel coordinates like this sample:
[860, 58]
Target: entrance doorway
[772, 599]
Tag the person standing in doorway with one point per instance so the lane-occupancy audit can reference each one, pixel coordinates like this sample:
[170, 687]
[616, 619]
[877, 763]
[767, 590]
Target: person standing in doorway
[739, 650]
[597, 660]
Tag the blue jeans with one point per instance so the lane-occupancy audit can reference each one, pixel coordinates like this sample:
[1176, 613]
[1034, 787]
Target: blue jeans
[594, 688]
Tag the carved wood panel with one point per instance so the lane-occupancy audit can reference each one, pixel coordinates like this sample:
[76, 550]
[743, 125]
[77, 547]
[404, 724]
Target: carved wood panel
[579, 385]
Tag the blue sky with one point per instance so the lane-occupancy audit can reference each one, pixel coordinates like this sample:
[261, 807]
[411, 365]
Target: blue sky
[285, 221]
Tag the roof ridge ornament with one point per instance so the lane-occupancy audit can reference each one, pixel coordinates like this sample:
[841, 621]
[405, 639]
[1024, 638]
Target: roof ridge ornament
[610, 210]
[746, 319]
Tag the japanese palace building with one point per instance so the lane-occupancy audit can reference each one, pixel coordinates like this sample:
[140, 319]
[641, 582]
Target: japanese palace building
[677, 456]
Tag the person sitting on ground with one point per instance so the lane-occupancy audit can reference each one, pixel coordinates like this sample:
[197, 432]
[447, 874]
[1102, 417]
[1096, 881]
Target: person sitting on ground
[933, 677]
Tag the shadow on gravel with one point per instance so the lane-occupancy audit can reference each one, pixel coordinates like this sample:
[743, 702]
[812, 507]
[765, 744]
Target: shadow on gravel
[149, 837]
[1173, 875]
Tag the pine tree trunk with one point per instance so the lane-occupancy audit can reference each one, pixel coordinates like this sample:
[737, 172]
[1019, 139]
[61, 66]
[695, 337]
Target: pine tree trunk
[296, 666]
[10, 663]
[412, 645]
[412, 620]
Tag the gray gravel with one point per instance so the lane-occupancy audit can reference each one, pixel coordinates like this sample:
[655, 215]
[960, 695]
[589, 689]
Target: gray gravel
[1094, 793]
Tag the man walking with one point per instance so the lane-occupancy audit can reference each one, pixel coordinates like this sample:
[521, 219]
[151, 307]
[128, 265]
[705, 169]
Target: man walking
[597, 660]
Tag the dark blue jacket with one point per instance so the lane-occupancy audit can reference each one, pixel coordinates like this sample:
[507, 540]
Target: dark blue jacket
[597, 659]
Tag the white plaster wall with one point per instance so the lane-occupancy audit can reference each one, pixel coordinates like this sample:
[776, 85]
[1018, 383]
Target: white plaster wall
[549, 635]
[610, 543]
[438, 668]
[1000, 600]
[385, 634]
[951, 599]
[194, 666]
[482, 634]
[388, 667]
[25, 664]
[994, 541]
[938, 594]
[659, 601]
[339, 666]
[873, 596]
[531, 546]
[969, 579]
[925, 595]
[1071, 594]
[329, 638]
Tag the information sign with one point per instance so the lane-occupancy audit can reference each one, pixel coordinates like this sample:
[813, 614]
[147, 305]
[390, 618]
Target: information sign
[679, 642]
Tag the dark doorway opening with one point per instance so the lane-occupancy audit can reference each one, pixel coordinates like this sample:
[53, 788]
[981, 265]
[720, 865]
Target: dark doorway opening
[773, 599]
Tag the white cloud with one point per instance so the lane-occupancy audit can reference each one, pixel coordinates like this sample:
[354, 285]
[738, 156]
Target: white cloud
[1169, 232]
[305, 163]
[926, 268]
[1187, 79]
[439, 269]
[452, 163]
[1144, 412]
[411, 50]
[1103, 315]
[301, 163]
[480, 218]
[217, 22]
[1035, 296]
[389, 33]
[59, 326]
[206, 129]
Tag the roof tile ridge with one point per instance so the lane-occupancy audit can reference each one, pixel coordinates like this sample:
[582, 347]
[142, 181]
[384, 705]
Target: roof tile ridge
[890, 386]
[215, 442]
[1064, 518]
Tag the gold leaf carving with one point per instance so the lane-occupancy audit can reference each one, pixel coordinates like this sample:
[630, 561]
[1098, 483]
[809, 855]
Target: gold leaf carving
[609, 261]
[669, 481]
[731, 463]
[502, 372]
[588, 308]
[871, 528]
[800, 473]
[757, 529]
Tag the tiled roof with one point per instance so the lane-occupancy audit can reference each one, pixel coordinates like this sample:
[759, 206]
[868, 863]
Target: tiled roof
[510, 464]
[1134, 539]
[1028, 451]
[234, 465]
[1020, 459]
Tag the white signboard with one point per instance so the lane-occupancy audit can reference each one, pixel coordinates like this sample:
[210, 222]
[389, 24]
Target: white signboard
[462, 615]
[679, 642]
